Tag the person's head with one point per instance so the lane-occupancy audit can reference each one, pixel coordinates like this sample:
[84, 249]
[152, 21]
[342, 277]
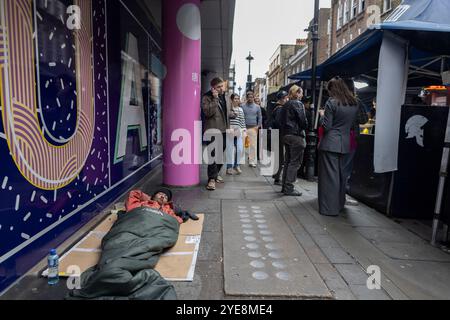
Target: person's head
[351, 85]
[338, 90]
[258, 100]
[236, 101]
[162, 196]
[307, 102]
[218, 84]
[250, 95]
[282, 97]
[295, 93]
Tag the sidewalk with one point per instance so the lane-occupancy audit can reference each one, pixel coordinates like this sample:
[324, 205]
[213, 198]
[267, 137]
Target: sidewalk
[340, 249]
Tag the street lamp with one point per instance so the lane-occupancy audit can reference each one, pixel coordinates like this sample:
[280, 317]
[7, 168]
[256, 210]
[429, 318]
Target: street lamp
[249, 77]
[310, 161]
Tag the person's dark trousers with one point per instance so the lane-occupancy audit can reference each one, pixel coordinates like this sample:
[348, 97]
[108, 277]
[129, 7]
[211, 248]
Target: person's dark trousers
[277, 175]
[295, 147]
[332, 182]
[348, 168]
[214, 169]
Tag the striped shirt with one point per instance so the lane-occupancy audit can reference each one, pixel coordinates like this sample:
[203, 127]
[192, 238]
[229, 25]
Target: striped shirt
[239, 121]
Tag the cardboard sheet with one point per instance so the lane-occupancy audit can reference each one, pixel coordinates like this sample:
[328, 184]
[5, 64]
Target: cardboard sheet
[176, 264]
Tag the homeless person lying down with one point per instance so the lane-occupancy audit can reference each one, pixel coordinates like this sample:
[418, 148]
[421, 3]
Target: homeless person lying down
[131, 250]
[160, 200]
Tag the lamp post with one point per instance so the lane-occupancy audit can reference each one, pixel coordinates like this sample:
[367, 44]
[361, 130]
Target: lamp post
[249, 77]
[311, 147]
[232, 79]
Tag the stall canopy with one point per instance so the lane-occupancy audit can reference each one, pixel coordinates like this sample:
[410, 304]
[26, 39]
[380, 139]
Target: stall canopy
[425, 24]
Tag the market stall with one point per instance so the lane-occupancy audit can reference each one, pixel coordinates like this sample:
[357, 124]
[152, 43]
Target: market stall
[400, 57]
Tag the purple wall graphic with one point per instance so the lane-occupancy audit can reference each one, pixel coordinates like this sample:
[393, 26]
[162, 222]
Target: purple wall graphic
[34, 218]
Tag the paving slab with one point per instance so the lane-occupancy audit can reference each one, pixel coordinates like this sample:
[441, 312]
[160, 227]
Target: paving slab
[202, 206]
[210, 246]
[418, 252]
[255, 185]
[389, 235]
[262, 195]
[361, 292]
[352, 273]
[213, 222]
[334, 281]
[262, 256]
[419, 279]
[338, 255]
[226, 194]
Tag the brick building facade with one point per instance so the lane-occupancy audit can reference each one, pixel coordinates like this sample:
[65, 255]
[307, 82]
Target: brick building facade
[350, 18]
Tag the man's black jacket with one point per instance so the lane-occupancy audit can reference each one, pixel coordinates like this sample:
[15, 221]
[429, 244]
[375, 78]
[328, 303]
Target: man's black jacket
[293, 119]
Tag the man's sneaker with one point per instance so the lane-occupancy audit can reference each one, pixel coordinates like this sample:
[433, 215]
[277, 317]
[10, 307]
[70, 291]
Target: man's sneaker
[238, 170]
[219, 179]
[211, 185]
[253, 166]
[293, 193]
[230, 172]
[277, 183]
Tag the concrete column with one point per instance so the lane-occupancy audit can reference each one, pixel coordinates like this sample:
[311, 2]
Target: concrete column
[181, 28]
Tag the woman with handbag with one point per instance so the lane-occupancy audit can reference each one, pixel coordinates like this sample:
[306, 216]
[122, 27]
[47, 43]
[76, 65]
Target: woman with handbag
[235, 137]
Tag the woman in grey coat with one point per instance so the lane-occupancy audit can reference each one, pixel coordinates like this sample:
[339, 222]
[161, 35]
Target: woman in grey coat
[340, 113]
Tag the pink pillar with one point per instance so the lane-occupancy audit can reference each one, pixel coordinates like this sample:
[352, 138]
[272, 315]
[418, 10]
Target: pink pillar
[181, 30]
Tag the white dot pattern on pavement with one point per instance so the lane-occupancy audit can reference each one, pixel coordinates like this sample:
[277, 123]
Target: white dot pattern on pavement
[273, 252]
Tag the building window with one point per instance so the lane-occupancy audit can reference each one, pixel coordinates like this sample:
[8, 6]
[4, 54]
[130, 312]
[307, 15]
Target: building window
[343, 42]
[387, 5]
[337, 46]
[346, 12]
[329, 27]
[354, 8]
[362, 5]
[351, 36]
[359, 31]
[340, 16]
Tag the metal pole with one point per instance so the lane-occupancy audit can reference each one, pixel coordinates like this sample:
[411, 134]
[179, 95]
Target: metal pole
[319, 106]
[249, 77]
[312, 136]
[442, 177]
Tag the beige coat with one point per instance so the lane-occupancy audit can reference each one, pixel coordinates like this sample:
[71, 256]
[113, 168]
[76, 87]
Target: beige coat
[214, 115]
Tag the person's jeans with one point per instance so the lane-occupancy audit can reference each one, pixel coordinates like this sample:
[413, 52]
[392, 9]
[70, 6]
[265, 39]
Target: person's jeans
[235, 146]
[214, 168]
[295, 147]
[252, 151]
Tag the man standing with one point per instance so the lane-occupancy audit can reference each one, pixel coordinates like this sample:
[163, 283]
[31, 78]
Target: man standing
[253, 121]
[274, 124]
[293, 125]
[216, 108]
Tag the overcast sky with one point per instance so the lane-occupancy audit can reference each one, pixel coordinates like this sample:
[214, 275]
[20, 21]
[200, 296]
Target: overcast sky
[261, 25]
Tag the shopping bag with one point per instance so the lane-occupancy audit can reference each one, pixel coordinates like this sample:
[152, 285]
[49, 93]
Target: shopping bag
[247, 142]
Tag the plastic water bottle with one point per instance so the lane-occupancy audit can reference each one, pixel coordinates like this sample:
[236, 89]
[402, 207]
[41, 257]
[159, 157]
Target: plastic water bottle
[53, 268]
